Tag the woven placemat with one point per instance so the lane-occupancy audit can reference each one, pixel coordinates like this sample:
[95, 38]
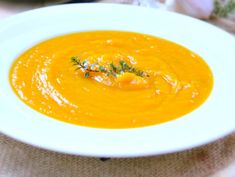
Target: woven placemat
[21, 160]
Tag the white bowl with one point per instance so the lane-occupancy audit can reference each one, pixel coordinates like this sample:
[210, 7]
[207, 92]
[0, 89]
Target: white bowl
[214, 119]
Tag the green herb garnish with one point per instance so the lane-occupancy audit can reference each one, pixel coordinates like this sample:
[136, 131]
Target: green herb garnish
[111, 70]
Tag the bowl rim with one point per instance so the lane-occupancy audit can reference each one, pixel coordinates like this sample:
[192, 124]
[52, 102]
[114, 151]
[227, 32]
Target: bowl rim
[20, 134]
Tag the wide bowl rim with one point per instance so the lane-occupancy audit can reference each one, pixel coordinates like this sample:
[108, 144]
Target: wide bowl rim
[114, 152]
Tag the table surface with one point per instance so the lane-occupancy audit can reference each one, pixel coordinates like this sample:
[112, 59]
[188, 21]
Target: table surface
[8, 8]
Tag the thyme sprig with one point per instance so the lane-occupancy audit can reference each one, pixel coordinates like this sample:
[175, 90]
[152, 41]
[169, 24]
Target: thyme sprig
[110, 70]
[223, 10]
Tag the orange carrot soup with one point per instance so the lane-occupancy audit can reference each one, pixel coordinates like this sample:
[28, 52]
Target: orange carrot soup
[111, 79]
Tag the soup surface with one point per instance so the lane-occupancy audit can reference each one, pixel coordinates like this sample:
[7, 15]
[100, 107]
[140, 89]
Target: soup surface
[111, 79]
